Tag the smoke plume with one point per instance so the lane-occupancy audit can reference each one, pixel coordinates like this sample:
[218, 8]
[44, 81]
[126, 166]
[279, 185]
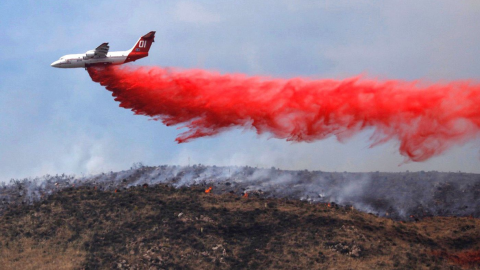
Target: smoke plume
[393, 195]
[425, 119]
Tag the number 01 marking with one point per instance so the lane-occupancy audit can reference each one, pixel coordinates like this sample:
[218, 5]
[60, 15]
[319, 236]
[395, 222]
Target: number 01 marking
[142, 44]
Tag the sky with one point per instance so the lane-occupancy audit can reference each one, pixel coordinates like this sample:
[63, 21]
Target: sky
[55, 121]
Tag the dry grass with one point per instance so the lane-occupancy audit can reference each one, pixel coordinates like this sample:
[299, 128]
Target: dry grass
[185, 228]
[27, 253]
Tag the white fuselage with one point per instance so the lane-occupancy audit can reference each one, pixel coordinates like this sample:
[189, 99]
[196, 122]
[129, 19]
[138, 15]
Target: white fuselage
[81, 60]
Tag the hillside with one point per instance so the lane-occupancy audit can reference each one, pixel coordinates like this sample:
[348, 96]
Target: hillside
[163, 227]
[400, 196]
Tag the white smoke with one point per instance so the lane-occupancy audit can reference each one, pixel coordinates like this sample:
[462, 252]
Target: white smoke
[396, 195]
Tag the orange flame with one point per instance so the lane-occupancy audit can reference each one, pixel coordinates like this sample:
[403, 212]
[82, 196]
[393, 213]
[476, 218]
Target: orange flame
[115, 191]
[208, 190]
[329, 205]
[245, 195]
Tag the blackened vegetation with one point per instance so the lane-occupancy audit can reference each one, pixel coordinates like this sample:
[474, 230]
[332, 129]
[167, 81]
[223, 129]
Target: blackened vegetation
[163, 227]
[398, 196]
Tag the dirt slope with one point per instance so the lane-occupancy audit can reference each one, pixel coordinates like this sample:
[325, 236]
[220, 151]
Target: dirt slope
[160, 227]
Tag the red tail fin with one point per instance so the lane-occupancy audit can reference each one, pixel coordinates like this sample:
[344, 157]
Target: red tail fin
[142, 47]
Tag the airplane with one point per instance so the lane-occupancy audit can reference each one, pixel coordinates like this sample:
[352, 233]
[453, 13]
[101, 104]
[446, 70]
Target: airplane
[101, 57]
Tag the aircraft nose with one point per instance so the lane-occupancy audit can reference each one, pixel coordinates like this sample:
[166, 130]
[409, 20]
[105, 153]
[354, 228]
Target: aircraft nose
[54, 64]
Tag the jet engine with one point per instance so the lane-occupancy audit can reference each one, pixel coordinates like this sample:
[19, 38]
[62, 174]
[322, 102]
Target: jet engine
[90, 54]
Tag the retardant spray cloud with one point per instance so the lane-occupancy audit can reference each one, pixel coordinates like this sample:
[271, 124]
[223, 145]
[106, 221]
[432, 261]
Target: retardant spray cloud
[426, 119]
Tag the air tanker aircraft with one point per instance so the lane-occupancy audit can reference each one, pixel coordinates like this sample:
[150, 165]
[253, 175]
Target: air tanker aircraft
[101, 57]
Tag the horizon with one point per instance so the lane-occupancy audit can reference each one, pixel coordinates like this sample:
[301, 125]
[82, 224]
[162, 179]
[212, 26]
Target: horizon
[81, 176]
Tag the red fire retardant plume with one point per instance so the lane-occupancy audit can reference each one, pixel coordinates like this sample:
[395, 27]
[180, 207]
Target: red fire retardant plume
[425, 119]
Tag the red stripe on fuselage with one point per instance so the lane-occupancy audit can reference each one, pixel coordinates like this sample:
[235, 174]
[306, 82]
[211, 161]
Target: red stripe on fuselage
[135, 56]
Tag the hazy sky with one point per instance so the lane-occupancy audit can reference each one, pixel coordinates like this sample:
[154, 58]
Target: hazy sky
[59, 121]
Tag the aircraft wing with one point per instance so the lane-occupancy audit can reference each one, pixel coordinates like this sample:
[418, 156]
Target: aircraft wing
[102, 50]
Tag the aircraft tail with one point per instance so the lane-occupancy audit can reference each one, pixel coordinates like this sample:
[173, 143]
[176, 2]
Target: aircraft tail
[142, 47]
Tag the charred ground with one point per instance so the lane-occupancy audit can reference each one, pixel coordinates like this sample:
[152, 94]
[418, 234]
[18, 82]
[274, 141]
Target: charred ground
[403, 196]
[163, 227]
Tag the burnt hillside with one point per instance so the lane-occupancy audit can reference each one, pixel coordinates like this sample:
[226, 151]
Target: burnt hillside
[400, 196]
[163, 227]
